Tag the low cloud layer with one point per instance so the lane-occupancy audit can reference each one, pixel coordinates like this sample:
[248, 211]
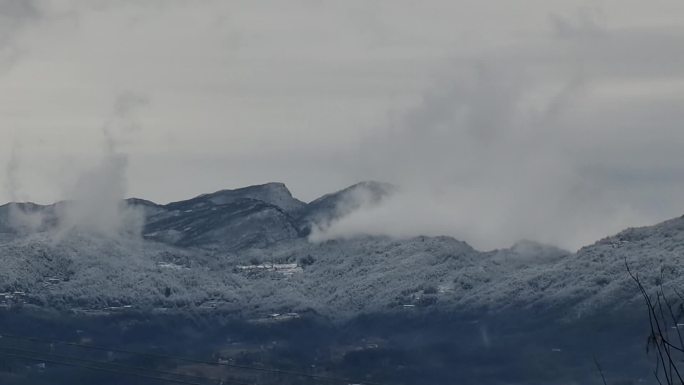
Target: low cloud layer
[537, 142]
[98, 194]
[94, 203]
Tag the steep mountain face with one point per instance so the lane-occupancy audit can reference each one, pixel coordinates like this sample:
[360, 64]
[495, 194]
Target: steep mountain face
[276, 194]
[237, 224]
[255, 216]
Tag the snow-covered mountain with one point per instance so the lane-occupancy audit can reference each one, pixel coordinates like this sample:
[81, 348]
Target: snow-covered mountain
[275, 194]
[246, 249]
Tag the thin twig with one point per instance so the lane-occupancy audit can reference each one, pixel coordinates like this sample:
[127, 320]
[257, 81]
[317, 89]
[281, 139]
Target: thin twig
[600, 370]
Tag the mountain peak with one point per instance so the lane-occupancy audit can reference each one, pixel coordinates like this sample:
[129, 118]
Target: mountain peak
[274, 193]
[333, 206]
[377, 190]
[372, 185]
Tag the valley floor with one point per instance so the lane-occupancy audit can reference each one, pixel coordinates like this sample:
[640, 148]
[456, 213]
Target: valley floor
[423, 348]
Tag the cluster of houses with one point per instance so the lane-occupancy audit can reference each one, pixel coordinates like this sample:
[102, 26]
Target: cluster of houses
[286, 269]
[276, 318]
[15, 298]
[11, 299]
[171, 266]
[103, 312]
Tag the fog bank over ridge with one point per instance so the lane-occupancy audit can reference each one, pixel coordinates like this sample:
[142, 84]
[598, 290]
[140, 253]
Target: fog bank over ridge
[535, 142]
[94, 201]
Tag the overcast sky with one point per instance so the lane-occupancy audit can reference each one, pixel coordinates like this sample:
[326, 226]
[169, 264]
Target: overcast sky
[525, 115]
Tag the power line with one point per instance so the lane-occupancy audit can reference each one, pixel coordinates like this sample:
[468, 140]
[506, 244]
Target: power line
[121, 366]
[192, 360]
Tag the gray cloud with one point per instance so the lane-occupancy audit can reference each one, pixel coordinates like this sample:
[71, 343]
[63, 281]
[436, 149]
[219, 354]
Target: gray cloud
[15, 15]
[556, 121]
[97, 198]
[499, 153]
[12, 182]
[588, 23]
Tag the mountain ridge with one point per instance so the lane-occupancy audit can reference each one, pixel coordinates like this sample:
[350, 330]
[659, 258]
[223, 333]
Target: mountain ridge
[268, 207]
[248, 256]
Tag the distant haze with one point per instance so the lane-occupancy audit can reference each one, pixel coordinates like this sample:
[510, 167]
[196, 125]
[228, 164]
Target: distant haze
[557, 121]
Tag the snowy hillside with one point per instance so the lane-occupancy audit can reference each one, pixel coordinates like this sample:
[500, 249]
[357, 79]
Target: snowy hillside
[240, 251]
